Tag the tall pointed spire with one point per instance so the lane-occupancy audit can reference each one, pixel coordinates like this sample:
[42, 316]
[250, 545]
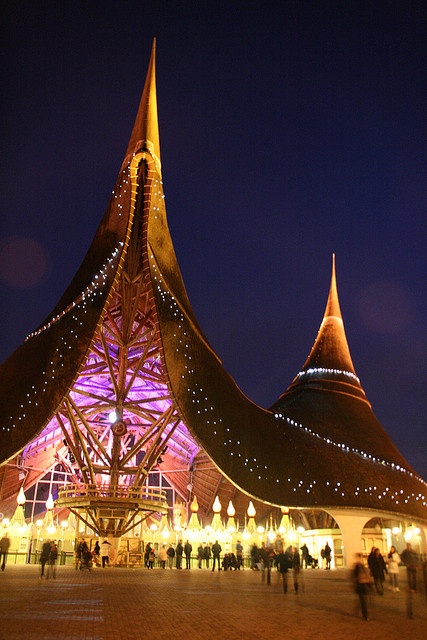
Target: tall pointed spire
[329, 360]
[330, 349]
[145, 132]
[333, 306]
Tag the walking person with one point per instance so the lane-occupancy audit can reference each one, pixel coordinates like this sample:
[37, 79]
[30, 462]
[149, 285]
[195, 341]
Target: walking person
[393, 561]
[53, 556]
[362, 581]
[378, 570]
[216, 550]
[239, 555]
[284, 563]
[44, 557]
[296, 566]
[105, 553]
[411, 561]
[4, 550]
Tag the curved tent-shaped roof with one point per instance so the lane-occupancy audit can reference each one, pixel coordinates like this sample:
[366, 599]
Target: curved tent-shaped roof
[320, 445]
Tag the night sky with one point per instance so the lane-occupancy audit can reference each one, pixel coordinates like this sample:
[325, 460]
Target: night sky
[289, 130]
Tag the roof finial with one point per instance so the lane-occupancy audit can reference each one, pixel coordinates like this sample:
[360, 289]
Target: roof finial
[145, 132]
[333, 305]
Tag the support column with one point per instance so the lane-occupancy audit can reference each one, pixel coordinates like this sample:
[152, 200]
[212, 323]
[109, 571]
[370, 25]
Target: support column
[351, 525]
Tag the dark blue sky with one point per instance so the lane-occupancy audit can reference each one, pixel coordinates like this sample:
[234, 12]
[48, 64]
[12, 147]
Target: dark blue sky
[289, 130]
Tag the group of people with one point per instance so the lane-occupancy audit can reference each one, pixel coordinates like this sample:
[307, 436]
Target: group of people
[100, 555]
[372, 576]
[174, 555]
[48, 556]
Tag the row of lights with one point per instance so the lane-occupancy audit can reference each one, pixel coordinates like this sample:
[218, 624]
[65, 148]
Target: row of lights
[343, 447]
[95, 288]
[322, 370]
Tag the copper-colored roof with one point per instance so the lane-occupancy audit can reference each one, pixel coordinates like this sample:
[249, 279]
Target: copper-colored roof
[319, 446]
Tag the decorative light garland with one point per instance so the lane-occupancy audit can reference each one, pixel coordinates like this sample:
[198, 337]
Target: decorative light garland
[321, 370]
[344, 447]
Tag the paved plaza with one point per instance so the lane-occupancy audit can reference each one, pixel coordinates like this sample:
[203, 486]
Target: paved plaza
[123, 604]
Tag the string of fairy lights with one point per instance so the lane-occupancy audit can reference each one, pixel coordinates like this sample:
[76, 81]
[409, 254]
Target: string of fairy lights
[79, 308]
[68, 340]
[100, 278]
[329, 372]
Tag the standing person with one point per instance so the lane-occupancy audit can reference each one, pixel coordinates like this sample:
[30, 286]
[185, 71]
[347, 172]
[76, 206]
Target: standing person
[216, 550]
[328, 554]
[393, 561]
[53, 556]
[44, 557]
[207, 554]
[4, 550]
[105, 553]
[96, 552]
[163, 556]
[80, 550]
[239, 555]
[304, 556]
[179, 552]
[378, 571]
[410, 560]
[147, 555]
[151, 558]
[171, 555]
[362, 580]
[188, 548]
[200, 555]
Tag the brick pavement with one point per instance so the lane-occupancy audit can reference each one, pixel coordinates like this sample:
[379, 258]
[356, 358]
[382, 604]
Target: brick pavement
[123, 604]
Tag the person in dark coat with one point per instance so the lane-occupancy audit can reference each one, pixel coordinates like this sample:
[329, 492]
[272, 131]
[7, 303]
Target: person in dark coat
[44, 557]
[188, 548]
[207, 555]
[4, 550]
[179, 551]
[296, 566]
[304, 556]
[378, 570]
[328, 555]
[216, 550]
[53, 556]
[200, 555]
[411, 560]
[284, 563]
[171, 555]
